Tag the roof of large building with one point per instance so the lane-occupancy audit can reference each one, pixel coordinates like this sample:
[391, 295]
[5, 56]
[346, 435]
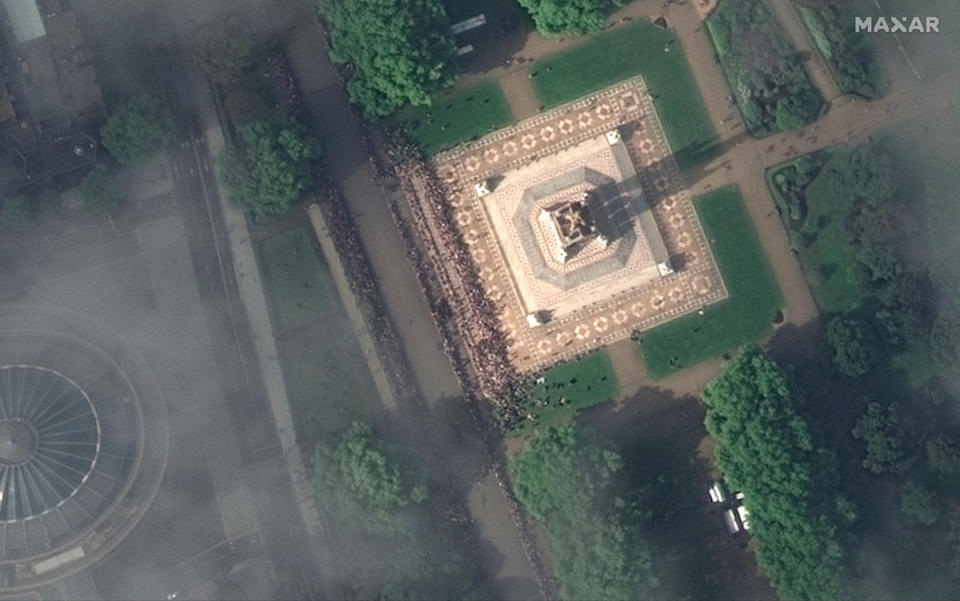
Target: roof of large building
[25, 19]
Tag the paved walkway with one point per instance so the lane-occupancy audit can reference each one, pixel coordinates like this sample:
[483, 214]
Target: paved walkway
[360, 326]
[520, 95]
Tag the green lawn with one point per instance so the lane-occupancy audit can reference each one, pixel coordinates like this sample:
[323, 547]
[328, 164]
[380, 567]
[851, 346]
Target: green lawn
[744, 317]
[457, 117]
[580, 384]
[327, 380]
[298, 286]
[637, 49]
[824, 249]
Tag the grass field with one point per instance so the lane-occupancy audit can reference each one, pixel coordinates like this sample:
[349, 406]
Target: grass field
[826, 259]
[744, 317]
[327, 381]
[457, 117]
[580, 384]
[298, 286]
[637, 49]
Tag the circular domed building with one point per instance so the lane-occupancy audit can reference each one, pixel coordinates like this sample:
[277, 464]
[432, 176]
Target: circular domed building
[83, 443]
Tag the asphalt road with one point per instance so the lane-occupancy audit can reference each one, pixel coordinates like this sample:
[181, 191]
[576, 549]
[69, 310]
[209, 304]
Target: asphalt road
[281, 528]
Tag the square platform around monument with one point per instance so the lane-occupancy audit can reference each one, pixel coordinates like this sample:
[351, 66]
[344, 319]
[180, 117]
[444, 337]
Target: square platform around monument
[579, 226]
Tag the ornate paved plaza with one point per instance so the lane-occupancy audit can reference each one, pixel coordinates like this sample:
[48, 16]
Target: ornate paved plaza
[601, 166]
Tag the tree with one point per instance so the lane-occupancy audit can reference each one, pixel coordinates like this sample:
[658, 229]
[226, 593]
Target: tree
[18, 210]
[555, 17]
[943, 457]
[568, 478]
[97, 194]
[848, 347]
[402, 51]
[880, 430]
[271, 169]
[221, 50]
[953, 538]
[766, 450]
[367, 484]
[136, 130]
[945, 339]
[903, 315]
[919, 505]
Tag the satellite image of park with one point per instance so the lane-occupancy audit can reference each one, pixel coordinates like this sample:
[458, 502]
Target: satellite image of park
[546, 300]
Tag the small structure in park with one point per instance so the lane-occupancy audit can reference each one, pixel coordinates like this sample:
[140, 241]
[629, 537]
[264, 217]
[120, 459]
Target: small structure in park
[587, 236]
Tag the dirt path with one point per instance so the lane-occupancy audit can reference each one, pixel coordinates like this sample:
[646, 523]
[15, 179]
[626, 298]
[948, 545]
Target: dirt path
[520, 95]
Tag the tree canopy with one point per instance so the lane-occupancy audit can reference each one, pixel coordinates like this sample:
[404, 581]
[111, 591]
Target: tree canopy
[365, 481]
[943, 457]
[880, 430]
[18, 210]
[919, 505]
[555, 17]
[271, 168]
[765, 449]
[568, 479]
[847, 347]
[221, 50]
[402, 51]
[136, 130]
[97, 194]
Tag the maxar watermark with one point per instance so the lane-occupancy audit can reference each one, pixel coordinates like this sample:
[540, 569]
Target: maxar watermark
[897, 24]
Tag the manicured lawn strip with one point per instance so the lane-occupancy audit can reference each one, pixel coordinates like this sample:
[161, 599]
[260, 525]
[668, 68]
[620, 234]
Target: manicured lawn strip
[298, 286]
[581, 384]
[327, 381]
[457, 117]
[636, 49]
[744, 317]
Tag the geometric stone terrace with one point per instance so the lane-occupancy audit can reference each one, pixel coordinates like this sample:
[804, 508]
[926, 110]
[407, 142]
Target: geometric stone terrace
[642, 259]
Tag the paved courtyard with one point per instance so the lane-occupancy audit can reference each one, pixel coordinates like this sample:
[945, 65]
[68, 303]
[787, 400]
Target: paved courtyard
[601, 304]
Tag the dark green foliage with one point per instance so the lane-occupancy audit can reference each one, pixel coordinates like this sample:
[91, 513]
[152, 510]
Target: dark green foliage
[365, 482]
[97, 194]
[844, 50]
[953, 538]
[767, 79]
[221, 50]
[791, 182]
[136, 130]
[569, 479]
[945, 339]
[402, 51]
[881, 432]
[848, 347]
[18, 210]
[919, 505]
[943, 458]
[765, 449]
[555, 17]
[271, 169]
[903, 316]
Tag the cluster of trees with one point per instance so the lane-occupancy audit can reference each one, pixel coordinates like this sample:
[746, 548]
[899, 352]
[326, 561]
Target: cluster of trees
[556, 17]
[18, 210]
[98, 193]
[766, 448]
[844, 49]
[848, 347]
[270, 168]
[768, 81]
[568, 478]
[792, 181]
[401, 51]
[370, 488]
[880, 430]
[136, 130]
[221, 50]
